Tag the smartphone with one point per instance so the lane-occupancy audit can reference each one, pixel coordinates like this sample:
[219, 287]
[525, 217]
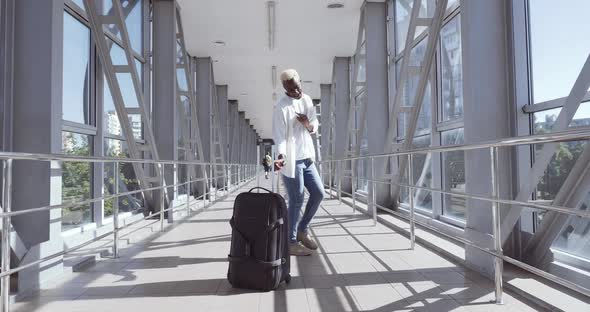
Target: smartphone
[301, 115]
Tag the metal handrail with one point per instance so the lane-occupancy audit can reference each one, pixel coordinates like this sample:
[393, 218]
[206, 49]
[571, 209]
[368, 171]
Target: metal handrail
[582, 133]
[98, 159]
[244, 174]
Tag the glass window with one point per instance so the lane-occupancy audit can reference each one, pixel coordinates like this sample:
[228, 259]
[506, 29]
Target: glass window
[568, 152]
[559, 46]
[76, 180]
[76, 71]
[79, 3]
[361, 66]
[409, 91]
[452, 3]
[362, 165]
[181, 75]
[182, 174]
[574, 237]
[403, 11]
[133, 11]
[124, 181]
[422, 172]
[451, 68]
[110, 119]
[453, 175]
[183, 120]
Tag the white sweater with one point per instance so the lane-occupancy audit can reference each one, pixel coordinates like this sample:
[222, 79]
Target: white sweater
[290, 136]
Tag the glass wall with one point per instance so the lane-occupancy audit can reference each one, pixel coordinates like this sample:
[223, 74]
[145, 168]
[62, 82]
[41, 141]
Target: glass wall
[558, 49]
[451, 117]
[440, 121]
[559, 46]
[78, 125]
[453, 175]
[359, 101]
[120, 178]
[76, 180]
[76, 71]
[89, 112]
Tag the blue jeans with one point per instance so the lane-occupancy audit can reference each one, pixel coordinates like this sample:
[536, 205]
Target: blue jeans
[306, 175]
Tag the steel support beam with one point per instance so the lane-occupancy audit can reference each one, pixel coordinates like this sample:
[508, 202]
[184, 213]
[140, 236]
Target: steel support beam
[164, 108]
[486, 117]
[340, 105]
[376, 108]
[37, 110]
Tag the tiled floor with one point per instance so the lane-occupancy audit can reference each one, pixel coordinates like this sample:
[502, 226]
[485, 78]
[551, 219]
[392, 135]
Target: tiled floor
[359, 267]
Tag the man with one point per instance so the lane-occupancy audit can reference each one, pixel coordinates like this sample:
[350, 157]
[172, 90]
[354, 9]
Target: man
[294, 120]
[266, 162]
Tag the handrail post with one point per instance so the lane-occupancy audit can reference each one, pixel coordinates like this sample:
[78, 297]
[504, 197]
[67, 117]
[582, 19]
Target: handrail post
[354, 186]
[340, 181]
[411, 201]
[188, 191]
[6, 207]
[216, 180]
[116, 211]
[205, 183]
[373, 192]
[162, 198]
[229, 179]
[330, 178]
[498, 261]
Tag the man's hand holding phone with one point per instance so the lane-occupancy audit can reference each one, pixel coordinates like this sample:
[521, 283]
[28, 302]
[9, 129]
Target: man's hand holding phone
[304, 120]
[279, 163]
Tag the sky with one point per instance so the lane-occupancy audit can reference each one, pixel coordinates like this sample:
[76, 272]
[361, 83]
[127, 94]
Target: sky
[559, 45]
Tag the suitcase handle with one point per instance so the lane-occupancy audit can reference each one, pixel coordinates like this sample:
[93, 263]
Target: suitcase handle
[259, 187]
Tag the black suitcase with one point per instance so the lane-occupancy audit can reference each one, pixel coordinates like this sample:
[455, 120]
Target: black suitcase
[259, 254]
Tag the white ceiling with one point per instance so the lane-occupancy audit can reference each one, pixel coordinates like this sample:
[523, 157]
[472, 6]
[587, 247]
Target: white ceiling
[308, 36]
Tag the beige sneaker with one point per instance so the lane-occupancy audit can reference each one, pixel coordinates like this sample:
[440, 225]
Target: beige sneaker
[307, 240]
[299, 250]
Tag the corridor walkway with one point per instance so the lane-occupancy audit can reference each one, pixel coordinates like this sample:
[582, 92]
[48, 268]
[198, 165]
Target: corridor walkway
[359, 267]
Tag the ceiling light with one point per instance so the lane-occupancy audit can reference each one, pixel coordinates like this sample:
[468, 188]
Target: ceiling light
[307, 81]
[334, 4]
[243, 94]
[270, 20]
[219, 43]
